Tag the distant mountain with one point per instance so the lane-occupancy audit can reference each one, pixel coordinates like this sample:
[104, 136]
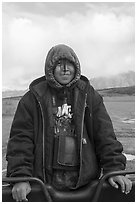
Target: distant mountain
[13, 93]
[120, 91]
[119, 80]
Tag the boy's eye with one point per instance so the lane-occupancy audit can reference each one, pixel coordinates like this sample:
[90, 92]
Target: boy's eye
[59, 64]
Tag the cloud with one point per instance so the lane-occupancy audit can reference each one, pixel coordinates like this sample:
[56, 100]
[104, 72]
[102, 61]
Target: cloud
[101, 34]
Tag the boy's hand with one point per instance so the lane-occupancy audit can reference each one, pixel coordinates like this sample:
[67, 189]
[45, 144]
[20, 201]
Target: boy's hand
[123, 181]
[20, 191]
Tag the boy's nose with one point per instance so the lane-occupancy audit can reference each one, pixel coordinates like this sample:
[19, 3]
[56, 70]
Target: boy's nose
[65, 68]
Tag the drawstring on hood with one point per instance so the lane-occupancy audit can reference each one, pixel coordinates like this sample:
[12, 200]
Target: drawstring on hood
[55, 54]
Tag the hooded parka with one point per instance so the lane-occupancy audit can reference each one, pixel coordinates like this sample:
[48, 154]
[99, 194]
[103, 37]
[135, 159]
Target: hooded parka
[30, 147]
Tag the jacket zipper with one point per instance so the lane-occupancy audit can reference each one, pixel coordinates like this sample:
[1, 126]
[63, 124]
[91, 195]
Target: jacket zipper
[81, 139]
[44, 177]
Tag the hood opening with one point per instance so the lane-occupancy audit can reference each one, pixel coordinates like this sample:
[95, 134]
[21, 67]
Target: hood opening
[55, 54]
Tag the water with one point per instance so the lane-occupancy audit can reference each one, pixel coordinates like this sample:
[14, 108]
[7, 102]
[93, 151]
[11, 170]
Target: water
[130, 157]
[130, 121]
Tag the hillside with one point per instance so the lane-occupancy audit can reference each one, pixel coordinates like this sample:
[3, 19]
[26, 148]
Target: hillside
[118, 91]
[13, 93]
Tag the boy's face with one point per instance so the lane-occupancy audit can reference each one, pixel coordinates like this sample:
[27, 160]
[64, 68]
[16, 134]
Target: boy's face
[64, 72]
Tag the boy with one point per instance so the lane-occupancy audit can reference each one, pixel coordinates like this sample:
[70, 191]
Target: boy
[61, 132]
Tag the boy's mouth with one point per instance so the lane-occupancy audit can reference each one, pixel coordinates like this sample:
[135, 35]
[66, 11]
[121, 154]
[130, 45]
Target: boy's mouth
[65, 74]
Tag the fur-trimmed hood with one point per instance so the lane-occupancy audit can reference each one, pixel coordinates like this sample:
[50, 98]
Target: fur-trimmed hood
[55, 54]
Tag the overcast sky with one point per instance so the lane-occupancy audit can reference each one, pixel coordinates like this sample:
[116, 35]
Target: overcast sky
[101, 34]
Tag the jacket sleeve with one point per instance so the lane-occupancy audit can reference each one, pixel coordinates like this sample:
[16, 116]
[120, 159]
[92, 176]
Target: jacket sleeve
[108, 148]
[20, 145]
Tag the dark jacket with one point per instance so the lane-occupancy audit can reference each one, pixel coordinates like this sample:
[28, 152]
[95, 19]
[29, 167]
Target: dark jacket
[30, 147]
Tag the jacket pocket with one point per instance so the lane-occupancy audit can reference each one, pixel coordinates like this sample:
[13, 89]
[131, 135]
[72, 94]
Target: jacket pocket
[89, 167]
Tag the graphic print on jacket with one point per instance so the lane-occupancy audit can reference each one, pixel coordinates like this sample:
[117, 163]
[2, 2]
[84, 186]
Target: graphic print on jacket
[65, 161]
[66, 154]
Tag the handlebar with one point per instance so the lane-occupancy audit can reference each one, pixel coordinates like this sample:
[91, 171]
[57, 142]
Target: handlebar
[30, 179]
[105, 177]
[45, 187]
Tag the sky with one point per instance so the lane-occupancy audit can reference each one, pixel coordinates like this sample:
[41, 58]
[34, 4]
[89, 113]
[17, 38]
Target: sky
[101, 34]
